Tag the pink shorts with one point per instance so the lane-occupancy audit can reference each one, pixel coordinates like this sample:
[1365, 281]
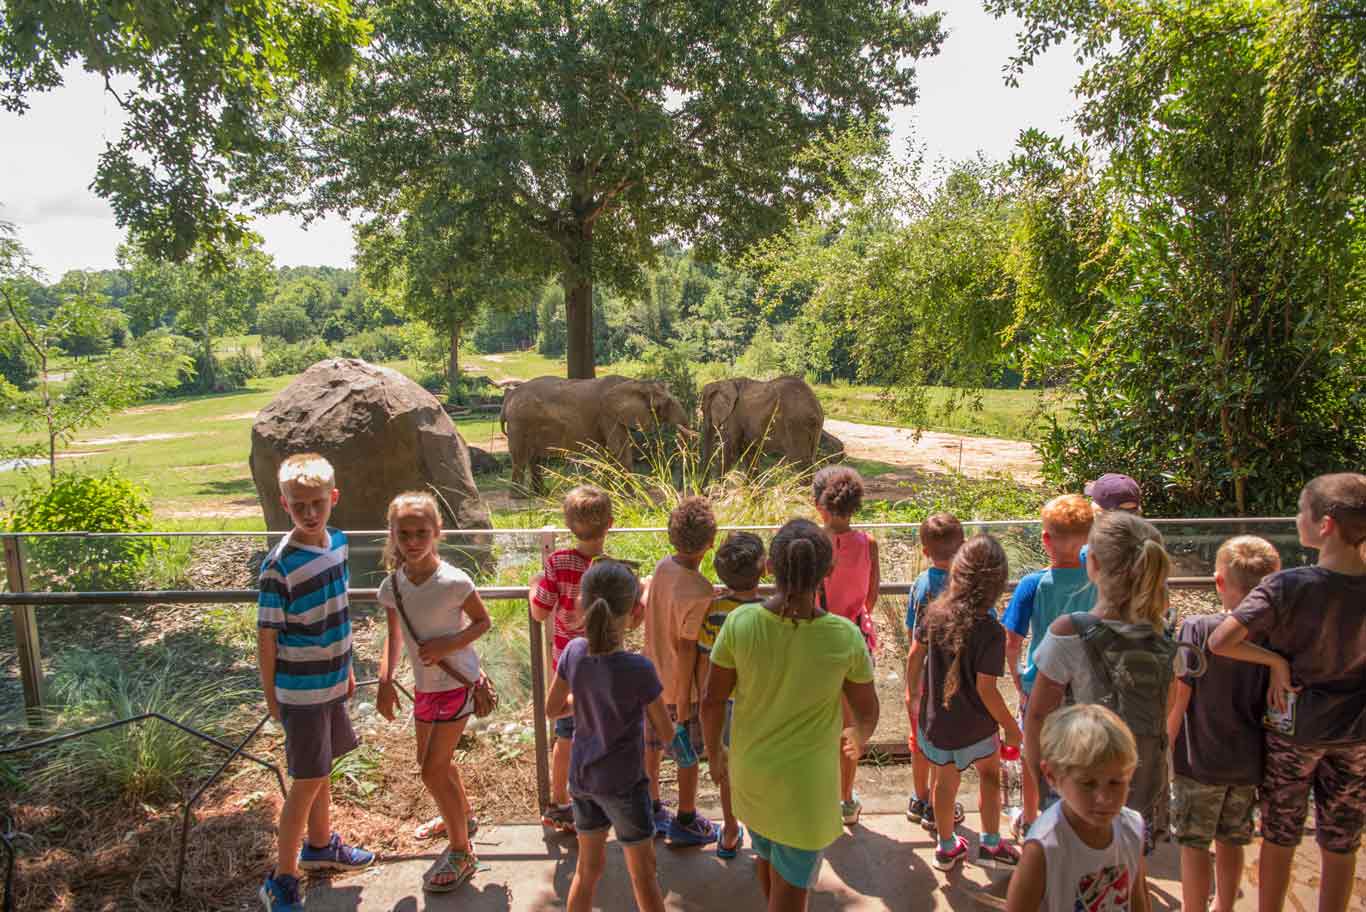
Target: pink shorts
[443, 705]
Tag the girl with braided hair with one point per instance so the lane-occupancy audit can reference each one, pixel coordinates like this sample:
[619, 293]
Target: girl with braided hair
[1311, 626]
[960, 712]
[787, 663]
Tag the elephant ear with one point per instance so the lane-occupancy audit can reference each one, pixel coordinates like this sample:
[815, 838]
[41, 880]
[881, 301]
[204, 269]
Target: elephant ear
[721, 402]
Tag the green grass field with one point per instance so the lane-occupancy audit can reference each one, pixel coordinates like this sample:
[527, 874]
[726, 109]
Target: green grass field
[191, 452]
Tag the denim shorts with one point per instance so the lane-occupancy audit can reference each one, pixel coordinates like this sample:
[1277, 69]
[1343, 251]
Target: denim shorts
[799, 867]
[963, 757]
[564, 728]
[631, 814]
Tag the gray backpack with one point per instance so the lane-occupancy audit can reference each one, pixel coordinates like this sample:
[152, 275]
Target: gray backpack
[1136, 673]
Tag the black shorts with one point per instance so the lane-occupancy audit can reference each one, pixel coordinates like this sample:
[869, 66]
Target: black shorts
[315, 736]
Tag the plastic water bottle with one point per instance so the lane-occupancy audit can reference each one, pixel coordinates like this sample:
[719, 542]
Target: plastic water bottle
[684, 755]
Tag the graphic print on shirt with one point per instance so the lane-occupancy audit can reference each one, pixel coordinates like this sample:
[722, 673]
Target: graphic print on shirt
[1106, 890]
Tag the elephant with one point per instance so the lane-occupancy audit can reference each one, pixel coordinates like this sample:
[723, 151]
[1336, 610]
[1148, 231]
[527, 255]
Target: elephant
[781, 416]
[551, 413]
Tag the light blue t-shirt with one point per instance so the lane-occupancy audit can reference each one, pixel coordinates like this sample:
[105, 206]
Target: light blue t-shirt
[927, 585]
[1041, 598]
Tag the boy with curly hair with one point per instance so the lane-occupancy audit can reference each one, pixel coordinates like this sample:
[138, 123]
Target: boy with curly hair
[677, 600]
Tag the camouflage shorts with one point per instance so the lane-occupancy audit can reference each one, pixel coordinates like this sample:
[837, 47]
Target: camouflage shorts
[1337, 777]
[1202, 813]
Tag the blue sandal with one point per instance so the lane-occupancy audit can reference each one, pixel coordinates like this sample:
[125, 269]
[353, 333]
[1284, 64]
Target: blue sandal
[726, 854]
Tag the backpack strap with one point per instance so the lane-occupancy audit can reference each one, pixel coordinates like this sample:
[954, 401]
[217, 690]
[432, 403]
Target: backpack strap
[1091, 631]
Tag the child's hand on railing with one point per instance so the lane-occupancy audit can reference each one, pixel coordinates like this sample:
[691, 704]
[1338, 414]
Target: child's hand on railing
[387, 700]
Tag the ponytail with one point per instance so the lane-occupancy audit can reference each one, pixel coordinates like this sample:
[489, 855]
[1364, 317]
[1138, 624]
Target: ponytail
[1151, 569]
[609, 591]
[977, 577]
[1131, 567]
[802, 556]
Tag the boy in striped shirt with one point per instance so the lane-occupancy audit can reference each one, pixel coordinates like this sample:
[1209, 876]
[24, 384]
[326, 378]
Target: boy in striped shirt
[304, 651]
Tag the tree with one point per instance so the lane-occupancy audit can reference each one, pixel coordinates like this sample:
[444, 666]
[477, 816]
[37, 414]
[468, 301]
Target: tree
[194, 81]
[1213, 328]
[95, 389]
[579, 133]
[312, 295]
[283, 320]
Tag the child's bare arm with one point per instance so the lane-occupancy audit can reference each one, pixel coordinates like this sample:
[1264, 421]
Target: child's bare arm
[1229, 639]
[386, 699]
[479, 624]
[537, 586]
[557, 701]
[864, 707]
[915, 662]
[990, 692]
[658, 717]
[266, 647]
[874, 576]
[1027, 883]
[1014, 646]
[719, 685]
[1139, 901]
[1181, 698]
[685, 673]
[1046, 696]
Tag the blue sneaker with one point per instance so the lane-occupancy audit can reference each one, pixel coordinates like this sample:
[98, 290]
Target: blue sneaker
[335, 856]
[699, 832]
[664, 819]
[281, 894]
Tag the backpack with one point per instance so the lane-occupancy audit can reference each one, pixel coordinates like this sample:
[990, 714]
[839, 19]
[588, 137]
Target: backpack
[1137, 674]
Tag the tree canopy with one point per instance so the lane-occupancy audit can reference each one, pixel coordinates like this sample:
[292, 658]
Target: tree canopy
[580, 133]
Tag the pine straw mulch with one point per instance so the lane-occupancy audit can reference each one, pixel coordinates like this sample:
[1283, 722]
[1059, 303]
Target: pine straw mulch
[81, 853]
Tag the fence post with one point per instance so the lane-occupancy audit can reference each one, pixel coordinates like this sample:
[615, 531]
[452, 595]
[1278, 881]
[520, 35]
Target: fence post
[542, 645]
[25, 634]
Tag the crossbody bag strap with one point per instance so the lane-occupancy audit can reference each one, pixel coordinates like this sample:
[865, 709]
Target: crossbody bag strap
[445, 666]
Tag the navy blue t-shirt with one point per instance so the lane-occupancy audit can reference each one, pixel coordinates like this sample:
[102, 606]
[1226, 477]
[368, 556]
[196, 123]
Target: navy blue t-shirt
[610, 695]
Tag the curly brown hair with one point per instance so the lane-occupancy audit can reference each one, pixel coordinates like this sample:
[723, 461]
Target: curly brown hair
[692, 525]
[976, 580]
[739, 562]
[838, 490]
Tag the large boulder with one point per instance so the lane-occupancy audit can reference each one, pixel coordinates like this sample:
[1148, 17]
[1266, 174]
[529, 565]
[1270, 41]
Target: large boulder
[382, 433]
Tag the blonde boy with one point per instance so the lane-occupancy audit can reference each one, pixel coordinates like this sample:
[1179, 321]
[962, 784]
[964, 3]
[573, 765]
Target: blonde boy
[1041, 598]
[1216, 734]
[677, 601]
[555, 593]
[303, 646]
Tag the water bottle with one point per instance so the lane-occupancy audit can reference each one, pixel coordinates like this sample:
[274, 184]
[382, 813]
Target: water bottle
[684, 755]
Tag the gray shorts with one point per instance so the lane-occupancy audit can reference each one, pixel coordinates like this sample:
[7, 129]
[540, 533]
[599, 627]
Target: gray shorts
[315, 736]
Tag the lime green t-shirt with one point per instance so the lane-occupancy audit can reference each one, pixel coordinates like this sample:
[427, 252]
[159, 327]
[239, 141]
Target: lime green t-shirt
[785, 731]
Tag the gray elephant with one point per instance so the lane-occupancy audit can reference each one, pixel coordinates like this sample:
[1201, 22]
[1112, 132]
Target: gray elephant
[550, 413]
[748, 417]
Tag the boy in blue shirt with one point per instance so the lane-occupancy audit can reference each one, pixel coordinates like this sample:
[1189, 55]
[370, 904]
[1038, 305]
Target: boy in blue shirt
[1041, 598]
[941, 535]
[303, 647]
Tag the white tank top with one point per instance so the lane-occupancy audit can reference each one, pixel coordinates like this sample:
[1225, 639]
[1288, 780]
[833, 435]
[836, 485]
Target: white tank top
[1083, 879]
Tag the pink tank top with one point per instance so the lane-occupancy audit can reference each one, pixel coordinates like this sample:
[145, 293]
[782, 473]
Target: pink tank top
[846, 588]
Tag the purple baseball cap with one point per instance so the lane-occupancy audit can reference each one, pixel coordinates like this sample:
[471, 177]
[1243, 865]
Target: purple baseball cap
[1113, 491]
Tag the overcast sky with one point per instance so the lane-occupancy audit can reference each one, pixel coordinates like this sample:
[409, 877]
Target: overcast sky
[48, 156]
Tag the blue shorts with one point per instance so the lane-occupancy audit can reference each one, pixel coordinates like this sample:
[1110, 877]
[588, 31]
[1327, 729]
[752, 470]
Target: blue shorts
[798, 867]
[962, 758]
[630, 814]
[564, 728]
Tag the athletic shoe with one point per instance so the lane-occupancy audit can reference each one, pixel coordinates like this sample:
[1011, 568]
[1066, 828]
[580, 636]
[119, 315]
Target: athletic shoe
[917, 809]
[1001, 857]
[281, 894]
[700, 831]
[559, 817]
[664, 819]
[335, 856]
[849, 810]
[947, 861]
[927, 820]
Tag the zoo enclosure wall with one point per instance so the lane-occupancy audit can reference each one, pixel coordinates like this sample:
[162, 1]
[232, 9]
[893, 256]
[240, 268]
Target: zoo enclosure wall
[40, 568]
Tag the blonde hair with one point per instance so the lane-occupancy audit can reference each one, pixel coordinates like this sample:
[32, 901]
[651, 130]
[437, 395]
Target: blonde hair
[1085, 736]
[307, 469]
[588, 512]
[408, 502]
[1131, 567]
[1245, 559]
[1068, 517]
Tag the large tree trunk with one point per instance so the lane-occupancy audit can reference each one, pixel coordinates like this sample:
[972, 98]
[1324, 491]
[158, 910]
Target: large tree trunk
[578, 307]
[453, 363]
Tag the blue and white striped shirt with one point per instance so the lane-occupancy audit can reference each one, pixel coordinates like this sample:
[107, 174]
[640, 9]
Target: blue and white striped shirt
[303, 596]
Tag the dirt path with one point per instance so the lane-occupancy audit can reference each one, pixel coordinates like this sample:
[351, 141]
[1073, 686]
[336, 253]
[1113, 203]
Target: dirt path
[937, 452]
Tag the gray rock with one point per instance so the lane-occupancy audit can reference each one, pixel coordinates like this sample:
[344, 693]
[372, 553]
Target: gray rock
[484, 463]
[382, 433]
[830, 449]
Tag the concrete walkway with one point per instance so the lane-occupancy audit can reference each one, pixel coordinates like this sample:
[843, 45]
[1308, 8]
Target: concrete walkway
[881, 864]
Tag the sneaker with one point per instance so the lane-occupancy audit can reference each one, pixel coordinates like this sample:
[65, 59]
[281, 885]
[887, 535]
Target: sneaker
[700, 831]
[947, 861]
[559, 817]
[1001, 857]
[335, 856]
[281, 894]
[917, 809]
[927, 820]
[849, 810]
[664, 818]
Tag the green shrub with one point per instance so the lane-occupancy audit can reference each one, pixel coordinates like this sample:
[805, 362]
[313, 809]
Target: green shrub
[148, 761]
[76, 502]
[674, 366]
[18, 364]
[236, 370]
[373, 345]
[281, 360]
